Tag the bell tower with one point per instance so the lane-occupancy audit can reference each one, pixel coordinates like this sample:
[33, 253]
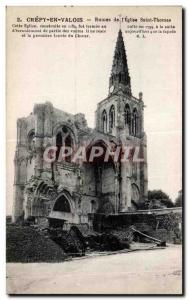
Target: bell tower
[120, 79]
[120, 113]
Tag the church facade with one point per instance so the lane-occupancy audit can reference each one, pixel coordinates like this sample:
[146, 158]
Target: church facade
[71, 190]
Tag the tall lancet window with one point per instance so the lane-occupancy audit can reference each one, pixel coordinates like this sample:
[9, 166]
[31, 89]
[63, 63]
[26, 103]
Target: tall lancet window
[104, 121]
[128, 117]
[64, 139]
[59, 144]
[68, 144]
[119, 77]
[112, 117]
[135, 122]
[31, 140]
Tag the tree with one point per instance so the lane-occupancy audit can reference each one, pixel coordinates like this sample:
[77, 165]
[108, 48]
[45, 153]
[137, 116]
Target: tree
[160, 195]
[178, 201]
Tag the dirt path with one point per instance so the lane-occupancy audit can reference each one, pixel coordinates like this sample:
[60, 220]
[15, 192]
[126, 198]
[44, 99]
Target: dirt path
[152, 271]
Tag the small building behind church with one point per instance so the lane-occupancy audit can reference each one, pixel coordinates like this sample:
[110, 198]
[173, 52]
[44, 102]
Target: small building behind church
[71, 191]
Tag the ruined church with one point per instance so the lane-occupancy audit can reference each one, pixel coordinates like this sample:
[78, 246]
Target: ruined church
[71, 191]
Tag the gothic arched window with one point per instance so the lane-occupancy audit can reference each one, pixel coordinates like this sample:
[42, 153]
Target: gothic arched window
[135, 194]
[119, 77]
[112, 117]
[93, 206]
[104, 121]
[59, 144]
[62, 204]
[68, 144]
[135, 122]
[31, 140]
[128, 117]
[64, 138]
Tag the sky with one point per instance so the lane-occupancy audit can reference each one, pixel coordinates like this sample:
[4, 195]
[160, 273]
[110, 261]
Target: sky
[73, 74]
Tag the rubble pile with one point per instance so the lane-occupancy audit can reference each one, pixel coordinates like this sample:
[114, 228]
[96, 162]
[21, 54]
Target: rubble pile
[26, 244]
[80, 239]
[77, 240]
[34, 241]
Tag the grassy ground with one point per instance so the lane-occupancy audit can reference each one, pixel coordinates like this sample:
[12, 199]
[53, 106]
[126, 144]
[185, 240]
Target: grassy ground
[25, 244]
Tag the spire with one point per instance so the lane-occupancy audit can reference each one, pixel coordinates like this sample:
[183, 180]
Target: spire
[120, 79]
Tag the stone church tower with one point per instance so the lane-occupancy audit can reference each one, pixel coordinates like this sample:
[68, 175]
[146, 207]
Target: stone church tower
[122, 115]
[71, 191]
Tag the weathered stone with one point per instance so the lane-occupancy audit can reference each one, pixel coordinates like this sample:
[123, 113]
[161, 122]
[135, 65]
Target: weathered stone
[70, 190]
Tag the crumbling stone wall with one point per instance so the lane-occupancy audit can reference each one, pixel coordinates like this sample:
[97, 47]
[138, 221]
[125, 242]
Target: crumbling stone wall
[112, 191]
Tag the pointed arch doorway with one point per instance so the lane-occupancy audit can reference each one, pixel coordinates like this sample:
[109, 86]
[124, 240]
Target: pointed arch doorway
[63, 208]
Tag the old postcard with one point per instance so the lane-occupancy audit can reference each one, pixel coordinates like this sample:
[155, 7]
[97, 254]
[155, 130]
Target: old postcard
[94, 150]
